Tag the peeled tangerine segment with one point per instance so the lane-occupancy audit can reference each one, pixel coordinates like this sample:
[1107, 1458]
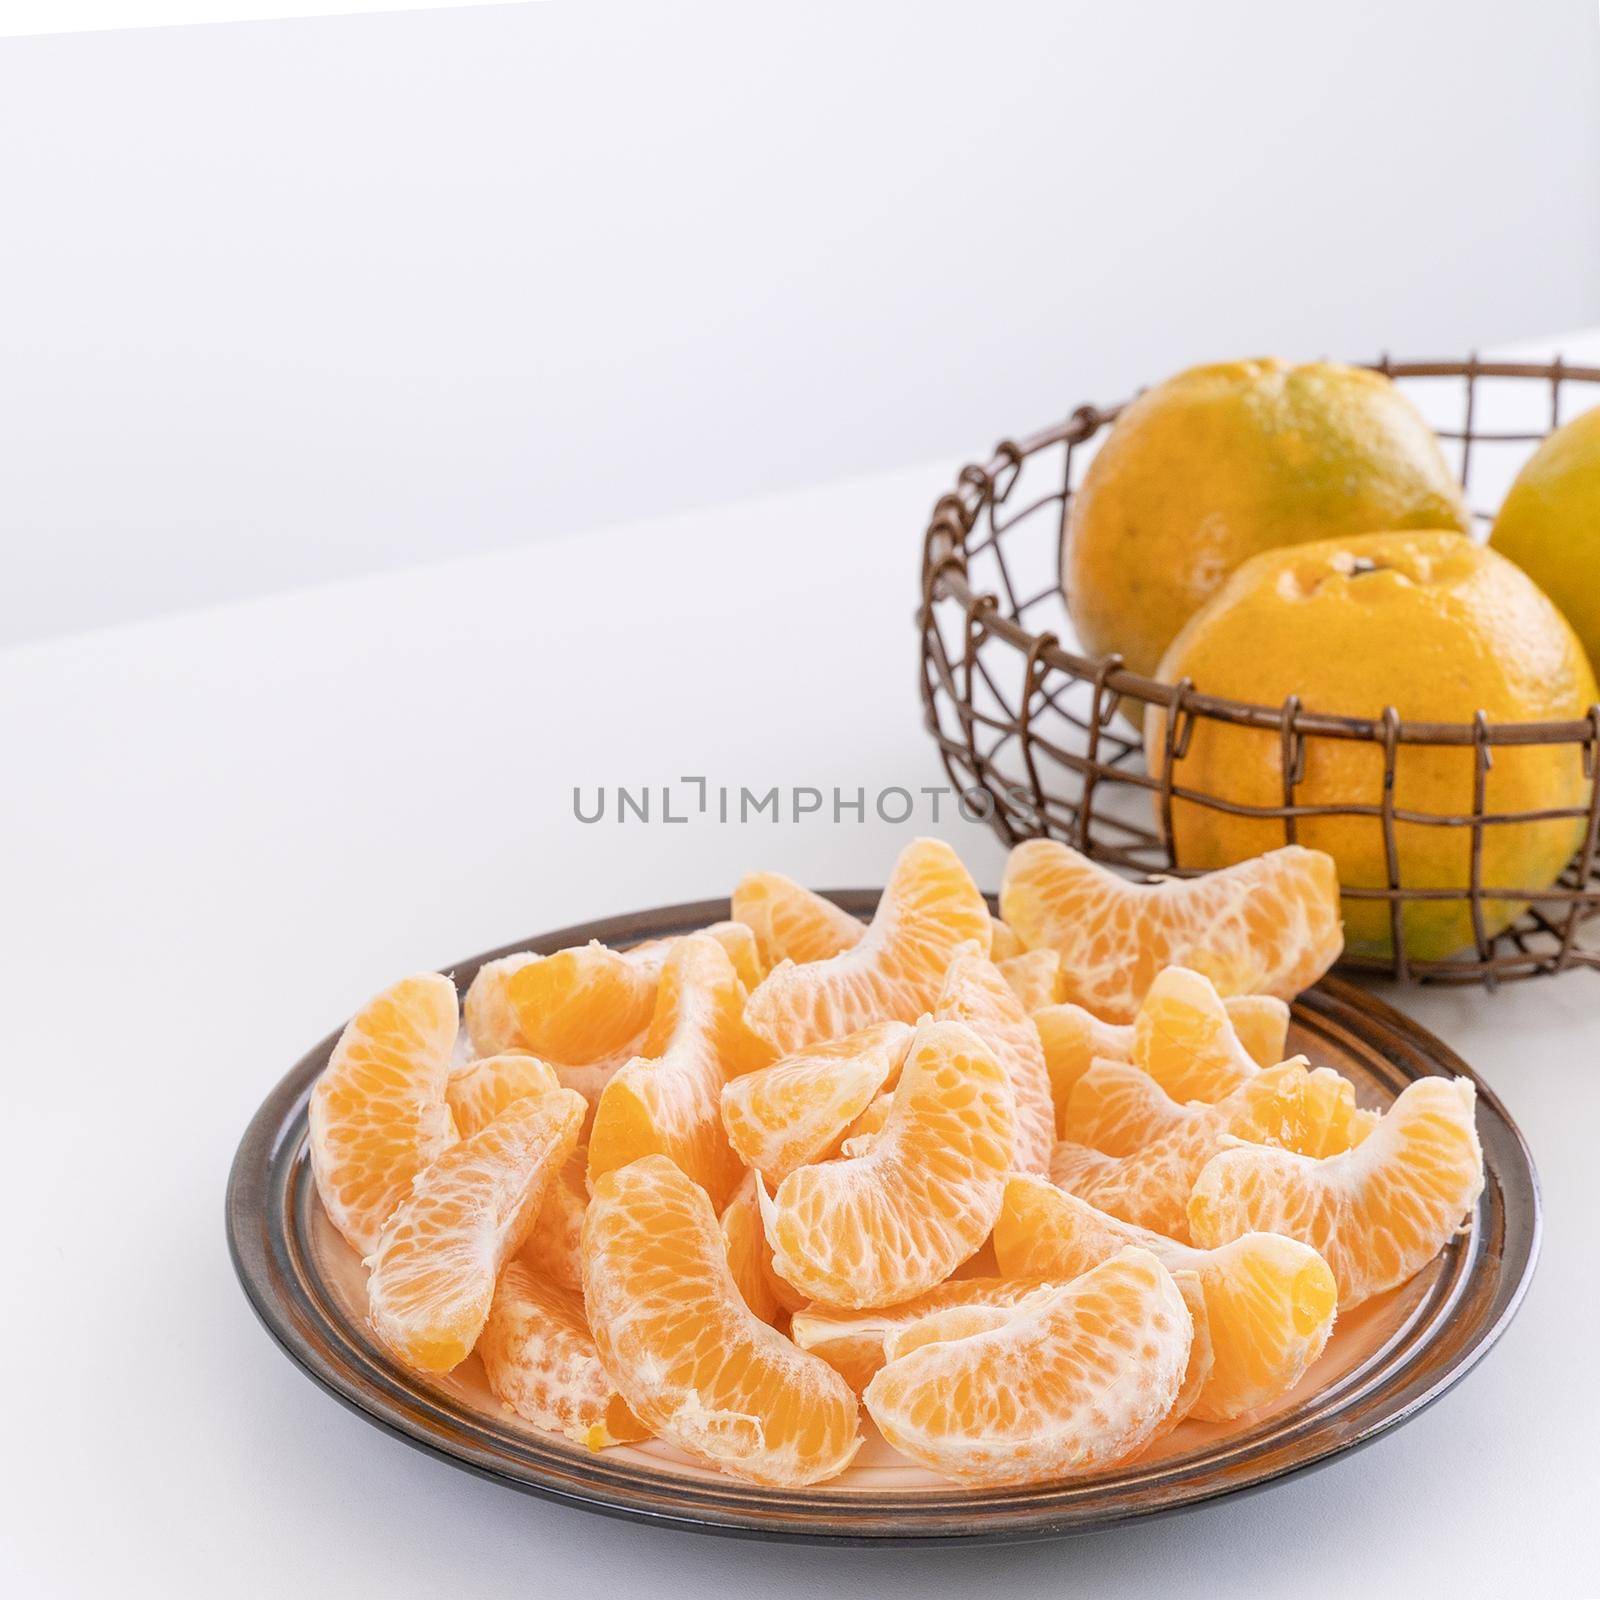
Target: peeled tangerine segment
[975, 992]
[745, 1247]
[1003, 943]
[483, 1089]
[1150, 1184]
[378, 1112]
[789, 922]
[877, 1228]
[1074, 1038]
[1267, 1302]
[540, 1359]
[668, 1099]
[490, 1018]
[581, 1005]
[1074, 1378]
[1269, 925]
[742, 950]
[562, 1008]
[1261, 1025]
[738, 941]
[750, 1257]
[859, 1135]
[1378, 1213]
[477, 1095]
[1202, 1356]
[857, 1343]
[930, 907]
[1330, 1121]
[553, 1249]
[435, 1268]
[693, 1362]
[782, 1116]
[1185, 1039]
[1118, 1108]
[853, 1342]
[1034, 976]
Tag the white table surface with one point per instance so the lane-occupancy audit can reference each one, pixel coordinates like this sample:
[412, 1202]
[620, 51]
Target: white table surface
[222, 832]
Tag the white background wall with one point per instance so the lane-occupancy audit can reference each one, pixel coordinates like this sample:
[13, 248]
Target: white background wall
[288, 301]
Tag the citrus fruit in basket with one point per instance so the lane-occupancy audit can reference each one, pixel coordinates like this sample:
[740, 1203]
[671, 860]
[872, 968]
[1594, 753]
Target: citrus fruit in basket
[1549, 524]
[1438, 628]
[1222, 462]
[1377, 1214]
[1269, 926]
[1070, 1378]
[693, 1362]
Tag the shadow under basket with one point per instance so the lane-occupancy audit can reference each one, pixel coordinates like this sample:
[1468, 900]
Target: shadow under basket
[1042, 739]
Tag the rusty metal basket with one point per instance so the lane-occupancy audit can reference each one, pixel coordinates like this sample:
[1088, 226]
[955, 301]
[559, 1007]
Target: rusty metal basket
[1030, 729]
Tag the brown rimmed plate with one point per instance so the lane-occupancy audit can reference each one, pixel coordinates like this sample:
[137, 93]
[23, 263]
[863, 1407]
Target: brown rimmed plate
[1384, 1363]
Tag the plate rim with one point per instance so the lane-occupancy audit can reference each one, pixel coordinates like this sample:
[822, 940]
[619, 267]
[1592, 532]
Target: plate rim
[260, 1226]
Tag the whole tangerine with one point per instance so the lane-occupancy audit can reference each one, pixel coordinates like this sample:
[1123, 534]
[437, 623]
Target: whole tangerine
[1436, 627]
[1549, 524]
[1222, 462]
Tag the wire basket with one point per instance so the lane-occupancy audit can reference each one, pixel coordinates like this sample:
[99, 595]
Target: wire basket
[1030, 730]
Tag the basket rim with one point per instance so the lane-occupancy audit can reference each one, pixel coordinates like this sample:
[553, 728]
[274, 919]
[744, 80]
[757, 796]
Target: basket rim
[944, 577]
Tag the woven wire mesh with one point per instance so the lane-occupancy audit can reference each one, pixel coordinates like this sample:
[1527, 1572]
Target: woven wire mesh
[1017, 713]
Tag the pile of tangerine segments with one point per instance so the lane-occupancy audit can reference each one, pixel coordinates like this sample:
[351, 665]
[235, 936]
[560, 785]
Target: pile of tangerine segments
[1028, 1190]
